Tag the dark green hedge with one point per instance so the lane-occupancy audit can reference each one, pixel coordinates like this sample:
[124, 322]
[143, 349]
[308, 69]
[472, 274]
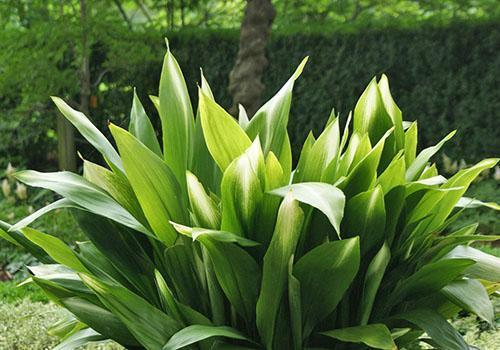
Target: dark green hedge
[447, 78]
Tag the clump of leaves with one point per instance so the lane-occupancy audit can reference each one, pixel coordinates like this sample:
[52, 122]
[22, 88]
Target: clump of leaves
[209, 240]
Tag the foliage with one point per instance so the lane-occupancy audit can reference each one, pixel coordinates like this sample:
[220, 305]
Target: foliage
[489, 191]
[209, 238]
[11, 293]
[60, 221]
[457, 63]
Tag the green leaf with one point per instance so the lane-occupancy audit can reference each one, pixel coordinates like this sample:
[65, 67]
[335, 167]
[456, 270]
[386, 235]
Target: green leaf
[238, 275]
[430, 278]
[140, 126]
[89, 132]
[393, 110]
[221, 236]
[465, 202]
[325, 273]
[242, 189]
[55, 248]
[411, 140]
[82, 192]
[154, 184]
[275, 267]
[445, 202]
[59, 204]
[99, 319]
[376, 336]
[470, 295]
[203, 207]
[168, 302]
[437, 328]
[271, 120]
[177, 119]
[370, 115]
[203, 165]
[243, 119]
[79, 338]
[181, 312]
[418, 165]
[182, 272]
[123, 248]
[294, 302]
[325, 197]
[151, 327]
[323, 152]
[393, 175]
[486, 267]
[225, 139]
[365, 216]
[17, 238]
[363, 175]
[116, 185]
[304, 154]
[373, 278]
[196, 333]
[59, 282]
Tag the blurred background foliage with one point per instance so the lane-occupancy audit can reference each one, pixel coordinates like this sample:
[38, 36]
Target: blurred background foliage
[441, 57]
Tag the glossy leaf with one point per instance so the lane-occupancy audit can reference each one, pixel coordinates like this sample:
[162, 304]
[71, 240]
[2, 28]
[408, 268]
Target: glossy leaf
[225, 139]
[154, 184]
[437, 328]
[275, 266]
[326, 198]
[335, 265]
[151, 327]
[89, 132]
[140, 126]
[376, 336]
[471, 296]
[177, 119]
[80, 191]
[196, 333]
[242, 189]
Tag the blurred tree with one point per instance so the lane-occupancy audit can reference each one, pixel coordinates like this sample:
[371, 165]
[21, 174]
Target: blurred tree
[245, 79]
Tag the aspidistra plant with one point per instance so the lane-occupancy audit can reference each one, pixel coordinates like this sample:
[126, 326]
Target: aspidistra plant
[213, 239]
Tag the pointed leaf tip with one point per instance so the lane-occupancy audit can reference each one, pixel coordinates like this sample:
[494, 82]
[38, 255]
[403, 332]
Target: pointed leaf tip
[300, 68]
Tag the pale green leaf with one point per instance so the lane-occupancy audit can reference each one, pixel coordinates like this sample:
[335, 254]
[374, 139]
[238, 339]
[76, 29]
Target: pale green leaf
[177, 119]
[154, 184]
[470, 295]
[140, 126]
[83, 193]
[89, 132]
[225, 139]
[325, 197]
[418, 165]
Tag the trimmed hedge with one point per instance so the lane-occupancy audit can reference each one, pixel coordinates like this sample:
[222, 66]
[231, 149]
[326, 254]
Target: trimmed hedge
[446, 77]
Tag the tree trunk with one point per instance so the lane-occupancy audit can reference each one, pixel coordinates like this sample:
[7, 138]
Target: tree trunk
[66, 150]
[245, 79]
[85, 84]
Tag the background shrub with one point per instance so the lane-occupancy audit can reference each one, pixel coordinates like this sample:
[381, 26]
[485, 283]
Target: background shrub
[447, 76]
